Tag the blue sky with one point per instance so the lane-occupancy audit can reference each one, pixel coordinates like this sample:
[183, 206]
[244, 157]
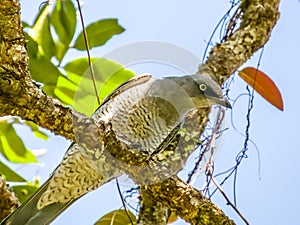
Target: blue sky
[273, 199]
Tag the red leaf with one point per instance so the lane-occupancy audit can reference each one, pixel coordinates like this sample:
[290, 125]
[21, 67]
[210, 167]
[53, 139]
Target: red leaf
[263, 85]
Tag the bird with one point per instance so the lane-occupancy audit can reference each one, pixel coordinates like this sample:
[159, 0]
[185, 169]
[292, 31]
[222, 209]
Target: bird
[145, 113]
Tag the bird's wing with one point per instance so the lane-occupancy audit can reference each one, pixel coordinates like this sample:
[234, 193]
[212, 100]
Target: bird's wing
[137, 80]
[28, 214]
[167, 140]
[73, 178]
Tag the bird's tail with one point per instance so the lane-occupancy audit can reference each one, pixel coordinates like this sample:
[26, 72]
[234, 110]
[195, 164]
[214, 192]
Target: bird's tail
[28, 214]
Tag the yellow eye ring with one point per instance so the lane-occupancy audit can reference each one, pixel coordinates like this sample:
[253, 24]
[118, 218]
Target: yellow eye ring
[202, 87]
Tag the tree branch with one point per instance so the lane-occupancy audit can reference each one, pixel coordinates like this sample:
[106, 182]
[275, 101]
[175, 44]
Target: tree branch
[257, 21]
[20, 96]
[9, 202]
[188, 202]
[149, 213]
[258, 17]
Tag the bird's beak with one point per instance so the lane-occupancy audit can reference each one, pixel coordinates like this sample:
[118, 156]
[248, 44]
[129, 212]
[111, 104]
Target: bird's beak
[221, 101]
[226, 103]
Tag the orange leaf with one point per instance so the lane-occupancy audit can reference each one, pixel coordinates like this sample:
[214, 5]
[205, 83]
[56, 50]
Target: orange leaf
[263, 85]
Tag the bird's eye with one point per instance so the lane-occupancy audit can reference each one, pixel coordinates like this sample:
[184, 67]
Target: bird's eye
[202, 87]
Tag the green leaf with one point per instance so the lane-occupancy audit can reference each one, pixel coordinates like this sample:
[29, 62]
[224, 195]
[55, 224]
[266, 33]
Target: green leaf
[98, 33]
[80, 95]
[43, 71]
[25, 24]
[117, 217]
[115, 73]
[12, 146]
[61, 50]
[65, 90]
[10, 175]
[78, 67]
[50, 89]
[109, 75]
[32, 47]
[41, 33]
[36, 130]
[23, 192]
[63, 19]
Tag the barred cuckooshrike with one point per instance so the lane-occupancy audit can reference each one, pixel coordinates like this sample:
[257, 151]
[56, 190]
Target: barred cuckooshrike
[142, 112]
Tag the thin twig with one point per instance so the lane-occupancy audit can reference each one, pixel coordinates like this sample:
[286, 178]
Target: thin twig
[227, 199]
[86, 42]
[217, 125]
[209, 167]
[123, 202]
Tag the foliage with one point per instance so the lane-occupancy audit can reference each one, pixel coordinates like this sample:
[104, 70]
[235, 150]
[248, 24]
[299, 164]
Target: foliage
[24, 191]
[50, 38]
[11, 145]
[117, 217]
[263, 85]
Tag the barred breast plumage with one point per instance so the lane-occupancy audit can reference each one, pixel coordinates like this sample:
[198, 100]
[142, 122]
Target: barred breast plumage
[142, 112]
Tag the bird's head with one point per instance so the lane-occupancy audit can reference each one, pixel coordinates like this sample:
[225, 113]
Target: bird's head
[205, 88]
[202, 90]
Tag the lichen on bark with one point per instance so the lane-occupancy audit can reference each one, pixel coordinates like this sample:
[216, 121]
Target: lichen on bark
[9, 202]
[20, 96]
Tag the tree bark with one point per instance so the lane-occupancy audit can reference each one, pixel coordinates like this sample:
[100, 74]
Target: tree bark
[9, 202]
[20, 96]
[257, 19]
